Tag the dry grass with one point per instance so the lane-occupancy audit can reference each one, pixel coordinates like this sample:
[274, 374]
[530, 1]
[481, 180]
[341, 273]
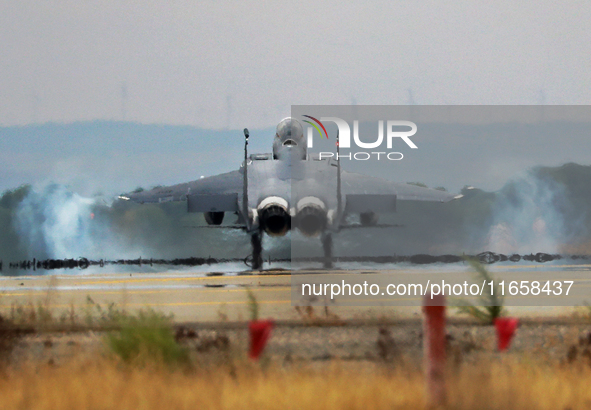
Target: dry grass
[227, 381]
[108, 385]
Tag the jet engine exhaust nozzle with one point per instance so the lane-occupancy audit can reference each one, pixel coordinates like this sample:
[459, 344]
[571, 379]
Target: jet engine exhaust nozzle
[274, 216]
[311, 216]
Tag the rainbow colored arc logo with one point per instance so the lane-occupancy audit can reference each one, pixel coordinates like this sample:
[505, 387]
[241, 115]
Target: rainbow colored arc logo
[316, 126]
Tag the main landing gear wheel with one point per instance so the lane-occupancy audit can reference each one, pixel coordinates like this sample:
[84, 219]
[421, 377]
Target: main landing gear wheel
[327, 246]
[256, 241]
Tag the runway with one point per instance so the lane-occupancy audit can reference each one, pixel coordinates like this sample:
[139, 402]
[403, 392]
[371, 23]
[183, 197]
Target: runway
[197, 296]
[189, 296]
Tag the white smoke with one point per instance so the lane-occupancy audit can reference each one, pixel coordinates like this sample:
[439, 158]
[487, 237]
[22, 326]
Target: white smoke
[53, 222]
[528, 217]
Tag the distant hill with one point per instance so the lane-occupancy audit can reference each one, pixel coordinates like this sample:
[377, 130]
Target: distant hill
[119, 156]
[104, 137]
[31, 153]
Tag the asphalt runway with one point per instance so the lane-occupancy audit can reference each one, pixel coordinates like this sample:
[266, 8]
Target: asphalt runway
[189, 296]
[205, 297]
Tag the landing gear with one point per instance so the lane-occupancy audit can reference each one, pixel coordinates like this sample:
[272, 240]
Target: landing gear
[327, 247]
[256, 240]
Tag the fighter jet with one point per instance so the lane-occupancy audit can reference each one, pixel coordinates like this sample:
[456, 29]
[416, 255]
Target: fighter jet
[287, 189]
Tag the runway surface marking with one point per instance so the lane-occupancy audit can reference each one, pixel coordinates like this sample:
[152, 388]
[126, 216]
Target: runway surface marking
[266, 302]
[123, 291]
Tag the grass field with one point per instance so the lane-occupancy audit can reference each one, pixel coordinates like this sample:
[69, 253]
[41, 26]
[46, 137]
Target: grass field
[141, 363]
[108, 384]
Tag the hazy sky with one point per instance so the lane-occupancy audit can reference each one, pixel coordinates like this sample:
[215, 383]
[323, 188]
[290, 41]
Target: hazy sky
[217, 64]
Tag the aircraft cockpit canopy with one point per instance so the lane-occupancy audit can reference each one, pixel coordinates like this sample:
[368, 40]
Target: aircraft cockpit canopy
[289, 136]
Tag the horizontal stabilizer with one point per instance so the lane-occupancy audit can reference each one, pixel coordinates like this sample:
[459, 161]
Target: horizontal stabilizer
[212, 203]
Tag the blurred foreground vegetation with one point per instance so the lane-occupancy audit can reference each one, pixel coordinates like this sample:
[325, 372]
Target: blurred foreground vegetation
[105, 385]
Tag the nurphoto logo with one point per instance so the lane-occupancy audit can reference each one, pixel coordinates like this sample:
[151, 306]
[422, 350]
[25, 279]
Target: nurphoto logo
[385, 136]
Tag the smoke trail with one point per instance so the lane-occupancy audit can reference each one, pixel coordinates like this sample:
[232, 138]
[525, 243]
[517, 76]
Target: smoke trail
[52, 222]
[529, 215]
[56, 223]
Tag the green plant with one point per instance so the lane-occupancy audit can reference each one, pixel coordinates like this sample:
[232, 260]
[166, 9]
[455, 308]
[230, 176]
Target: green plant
[253, 305]
[223, 313]
[492, 298]
[30, 314]
[582, 312]
[146, 337]
[44, 315]
[96, 315]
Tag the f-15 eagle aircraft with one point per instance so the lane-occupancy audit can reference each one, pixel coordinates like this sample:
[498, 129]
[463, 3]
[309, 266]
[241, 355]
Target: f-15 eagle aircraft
[290, 189]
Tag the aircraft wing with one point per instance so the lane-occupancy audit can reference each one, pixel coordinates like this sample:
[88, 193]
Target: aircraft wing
[218, 185]
[359, 185]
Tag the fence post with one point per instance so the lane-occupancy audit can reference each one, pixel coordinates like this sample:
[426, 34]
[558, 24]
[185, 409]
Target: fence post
[434, 349]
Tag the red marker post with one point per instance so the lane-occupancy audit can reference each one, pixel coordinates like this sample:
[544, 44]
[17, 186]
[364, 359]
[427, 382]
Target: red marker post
[505, 327]
[434, 349]
[260, 331]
